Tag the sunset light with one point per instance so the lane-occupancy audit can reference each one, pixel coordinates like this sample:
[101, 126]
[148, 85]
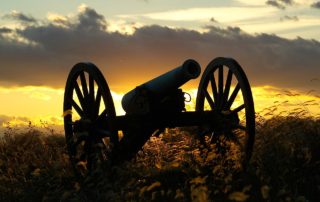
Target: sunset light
[160, 100]
[44, 104]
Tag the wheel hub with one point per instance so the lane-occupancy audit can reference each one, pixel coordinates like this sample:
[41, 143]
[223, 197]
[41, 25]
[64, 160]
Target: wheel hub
[82, 125]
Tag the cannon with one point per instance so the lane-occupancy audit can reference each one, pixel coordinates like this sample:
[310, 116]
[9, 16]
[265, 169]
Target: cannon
[224, 108]
[149, 96]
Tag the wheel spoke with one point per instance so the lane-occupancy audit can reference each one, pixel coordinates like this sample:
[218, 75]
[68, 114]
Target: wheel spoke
[227, 88]
[209, 99]
[84, 84]
[103, 113]
[101, 116]
[214, 87]
[79, 95]
[76, 107]
[91, 90]
[97, 103]
[233, 96]
[236, 110]
[220, 86]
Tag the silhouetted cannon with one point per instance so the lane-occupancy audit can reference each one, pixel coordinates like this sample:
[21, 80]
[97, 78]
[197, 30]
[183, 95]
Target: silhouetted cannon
[94, 134]
[154, 95]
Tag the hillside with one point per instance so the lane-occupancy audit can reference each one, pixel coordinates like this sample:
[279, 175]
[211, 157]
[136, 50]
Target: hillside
[285, 166]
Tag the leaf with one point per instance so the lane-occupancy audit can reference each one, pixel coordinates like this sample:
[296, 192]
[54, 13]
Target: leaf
[211, 156]
[154, 185]
[36, 172]
[265, 191]
[216, 168]
[142, 190]
[199, 194]
[175, 164]
[238, 196]
[158, 165]
[199, 180]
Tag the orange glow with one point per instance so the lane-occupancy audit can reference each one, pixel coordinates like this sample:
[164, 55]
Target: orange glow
[270, 101]
[43, 105]
[40, 105]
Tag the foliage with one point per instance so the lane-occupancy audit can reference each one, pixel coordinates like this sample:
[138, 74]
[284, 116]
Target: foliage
[285, 166]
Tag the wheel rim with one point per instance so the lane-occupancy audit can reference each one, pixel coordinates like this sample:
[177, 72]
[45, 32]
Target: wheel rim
[224, 88]
[87, 100]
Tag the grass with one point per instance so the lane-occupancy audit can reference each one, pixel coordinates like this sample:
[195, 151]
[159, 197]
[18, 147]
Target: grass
[285, 166]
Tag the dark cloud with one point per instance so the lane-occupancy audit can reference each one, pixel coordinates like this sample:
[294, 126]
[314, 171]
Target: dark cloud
[14, 15]
[90, 20]
[213, 20]
[281, 4]
[316, 5]
[275, 4]
[267, 59]
[289, 18]
[5, 30]
[288, 2]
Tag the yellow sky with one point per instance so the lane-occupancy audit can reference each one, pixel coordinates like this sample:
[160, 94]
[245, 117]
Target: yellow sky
[37, 104]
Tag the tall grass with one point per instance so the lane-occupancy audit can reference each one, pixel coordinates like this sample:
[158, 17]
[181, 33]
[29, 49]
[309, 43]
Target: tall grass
[33, 165]
[285, 166]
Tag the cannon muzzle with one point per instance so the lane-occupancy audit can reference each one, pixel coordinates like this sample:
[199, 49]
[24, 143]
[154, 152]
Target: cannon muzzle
[146, 97]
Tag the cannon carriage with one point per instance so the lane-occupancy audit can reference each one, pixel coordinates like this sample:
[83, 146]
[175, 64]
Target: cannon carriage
[224, 108]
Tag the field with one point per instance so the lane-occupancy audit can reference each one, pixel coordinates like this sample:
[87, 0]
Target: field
[285, 166]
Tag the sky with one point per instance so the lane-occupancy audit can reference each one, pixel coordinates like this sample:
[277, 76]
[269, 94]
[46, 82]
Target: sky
[277, 42]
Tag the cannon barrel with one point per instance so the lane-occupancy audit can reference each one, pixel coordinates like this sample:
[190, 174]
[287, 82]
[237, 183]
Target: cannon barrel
[160, 86]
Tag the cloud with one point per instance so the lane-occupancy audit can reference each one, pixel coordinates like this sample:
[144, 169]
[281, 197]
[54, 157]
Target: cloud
[8, 120]
[5, 30]
[205, 13]
[289, 18]
[213, 20]
[5, 119]
[316, 5]
[17, 124]
[15, 15]
[275, 4]
[90, 20]
[288, 2]
[281, 4]
[58, 19]
[267, 59]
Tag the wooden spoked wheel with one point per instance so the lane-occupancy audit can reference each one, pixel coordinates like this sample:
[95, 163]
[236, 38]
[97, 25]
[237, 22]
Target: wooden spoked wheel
[224, 89]
[87, 100]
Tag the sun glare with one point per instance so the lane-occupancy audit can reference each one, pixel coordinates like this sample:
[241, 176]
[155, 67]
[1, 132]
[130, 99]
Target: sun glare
[42, 106]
